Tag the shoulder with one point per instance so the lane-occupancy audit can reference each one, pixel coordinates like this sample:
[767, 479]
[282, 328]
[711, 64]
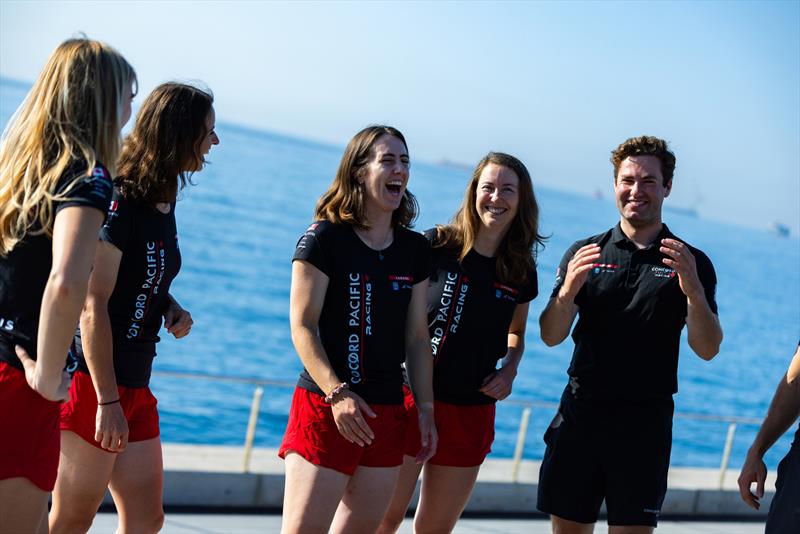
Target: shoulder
[412, 237]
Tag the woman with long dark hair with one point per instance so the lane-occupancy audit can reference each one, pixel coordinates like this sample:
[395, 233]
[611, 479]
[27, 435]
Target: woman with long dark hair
[57, 156]
[483, 278]
[357, 310]
[109, 426]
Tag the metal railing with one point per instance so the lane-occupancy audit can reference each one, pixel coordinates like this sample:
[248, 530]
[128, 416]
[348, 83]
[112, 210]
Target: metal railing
[519, 449]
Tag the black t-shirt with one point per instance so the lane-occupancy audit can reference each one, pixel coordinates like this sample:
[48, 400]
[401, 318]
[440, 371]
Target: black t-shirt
[24, 272]
[362, 324]
[150, 261]
[631, 313]
[469, 312]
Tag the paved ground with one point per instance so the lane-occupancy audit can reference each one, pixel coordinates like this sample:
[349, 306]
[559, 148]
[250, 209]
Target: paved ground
[106, 523]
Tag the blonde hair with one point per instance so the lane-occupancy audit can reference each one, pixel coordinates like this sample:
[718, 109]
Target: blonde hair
[72, 113]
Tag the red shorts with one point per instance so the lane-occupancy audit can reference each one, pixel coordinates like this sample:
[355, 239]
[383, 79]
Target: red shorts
[79, 412]
[30, 441]
[466, 432]
[312, 433]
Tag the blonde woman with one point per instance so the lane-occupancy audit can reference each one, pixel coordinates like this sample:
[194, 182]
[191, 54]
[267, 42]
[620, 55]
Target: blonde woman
[56, 160]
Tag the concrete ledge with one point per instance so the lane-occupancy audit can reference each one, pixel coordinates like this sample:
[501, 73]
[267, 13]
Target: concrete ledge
[212, 476]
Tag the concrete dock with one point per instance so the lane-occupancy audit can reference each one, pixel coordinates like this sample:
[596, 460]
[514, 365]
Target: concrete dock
[211, 480]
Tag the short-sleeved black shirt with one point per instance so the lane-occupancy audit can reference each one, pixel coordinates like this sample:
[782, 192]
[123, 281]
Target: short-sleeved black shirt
[631, 313]
[24, 272]
[362, 324]
[150, 261]
[469, 312]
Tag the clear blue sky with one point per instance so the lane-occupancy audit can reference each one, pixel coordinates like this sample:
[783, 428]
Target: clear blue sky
[558, 84]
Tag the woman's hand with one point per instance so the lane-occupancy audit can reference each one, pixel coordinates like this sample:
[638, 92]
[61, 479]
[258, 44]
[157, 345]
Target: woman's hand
[111, 427]
[348, 412]
[50, 390]
[498, 384]
[177, 321]
[429, 438]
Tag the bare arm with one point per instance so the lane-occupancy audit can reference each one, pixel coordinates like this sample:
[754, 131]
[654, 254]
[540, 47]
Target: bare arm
[498, 384]
[74, 240]
[783, 412]
[306, 299]
[702, 324]
[419, 364]
[557, 318]
[111, 427]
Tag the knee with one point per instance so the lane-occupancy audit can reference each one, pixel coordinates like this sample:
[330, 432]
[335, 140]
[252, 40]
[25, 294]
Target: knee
[70, 522]
[390, 524]
[143, 524]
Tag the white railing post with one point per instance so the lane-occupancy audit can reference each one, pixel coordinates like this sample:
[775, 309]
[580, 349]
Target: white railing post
[523, 431]
[251, 428]
[726, 453]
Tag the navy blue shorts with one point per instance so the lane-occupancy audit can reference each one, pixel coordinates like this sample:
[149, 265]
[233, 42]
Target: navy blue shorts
[607, 450]
[784, 512]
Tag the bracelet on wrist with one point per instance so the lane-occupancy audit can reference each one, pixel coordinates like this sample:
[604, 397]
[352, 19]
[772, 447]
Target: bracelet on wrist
[108, 403]
[335, 392]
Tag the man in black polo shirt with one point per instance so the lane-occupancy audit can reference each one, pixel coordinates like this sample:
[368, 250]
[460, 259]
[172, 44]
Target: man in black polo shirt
[633, 288]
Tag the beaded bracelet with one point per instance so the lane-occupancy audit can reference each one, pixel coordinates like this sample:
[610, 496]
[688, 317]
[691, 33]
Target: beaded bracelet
[330, 397]
[108, 403]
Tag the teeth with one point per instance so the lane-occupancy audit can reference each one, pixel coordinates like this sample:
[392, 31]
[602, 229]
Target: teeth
[496, 211]
[396, 182]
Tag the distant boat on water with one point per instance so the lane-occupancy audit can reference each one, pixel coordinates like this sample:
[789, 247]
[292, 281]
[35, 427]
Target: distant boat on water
[780, 229]
[444, 162]
[682, 210]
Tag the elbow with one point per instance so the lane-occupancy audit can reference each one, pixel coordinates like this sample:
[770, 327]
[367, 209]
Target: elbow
[706, 351]
[550, 338]
[66, 289]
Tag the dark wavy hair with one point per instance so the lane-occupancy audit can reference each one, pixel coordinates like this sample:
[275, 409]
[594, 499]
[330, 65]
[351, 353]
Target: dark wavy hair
[645, 145]
[163, 150]
[343, 202]
[516, 255]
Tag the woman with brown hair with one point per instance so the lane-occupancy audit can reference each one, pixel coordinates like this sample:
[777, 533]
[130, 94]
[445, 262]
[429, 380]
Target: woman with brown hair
[357, 310]
[109, 426]
[56, 159]
[483, 278]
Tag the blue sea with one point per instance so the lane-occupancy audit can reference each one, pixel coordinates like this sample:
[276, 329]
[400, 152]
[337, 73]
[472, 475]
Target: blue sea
[238, 226]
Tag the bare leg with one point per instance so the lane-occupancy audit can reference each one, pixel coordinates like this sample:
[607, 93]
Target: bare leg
[444, 494]
[137, 485]
[83, 474]
[565, 526]
[310, 496]
[23, 507]
[403, 492]
[365, 500]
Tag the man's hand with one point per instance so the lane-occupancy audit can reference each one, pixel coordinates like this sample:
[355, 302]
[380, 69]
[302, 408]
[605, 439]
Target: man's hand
[682, 260]
[578, 270]
[753, 470]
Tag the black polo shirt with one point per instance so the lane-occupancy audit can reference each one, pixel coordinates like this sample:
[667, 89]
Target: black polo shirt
[631, 313]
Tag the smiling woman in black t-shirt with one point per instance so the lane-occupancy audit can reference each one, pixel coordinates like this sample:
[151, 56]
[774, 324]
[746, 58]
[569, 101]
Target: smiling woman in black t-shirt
[110, 424]
[484, 276]
[54, 190]
[357, 310]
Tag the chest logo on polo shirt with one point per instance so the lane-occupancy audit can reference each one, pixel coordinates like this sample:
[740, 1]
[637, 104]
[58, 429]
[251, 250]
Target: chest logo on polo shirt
[400, 281]
[502, 291]
[662, 272]
[598, 268]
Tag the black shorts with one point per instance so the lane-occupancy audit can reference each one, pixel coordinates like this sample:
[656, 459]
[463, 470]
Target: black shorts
[784, 512]
[613, 450]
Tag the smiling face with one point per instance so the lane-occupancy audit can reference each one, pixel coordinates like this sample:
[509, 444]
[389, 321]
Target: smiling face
[211, 137]
[640, 191]
[385, 176]
[497, 197]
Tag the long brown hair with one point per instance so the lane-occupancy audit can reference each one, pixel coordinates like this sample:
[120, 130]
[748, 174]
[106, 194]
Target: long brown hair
[344, 200]
[516, 255]
[72, 113]
[162, 151]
